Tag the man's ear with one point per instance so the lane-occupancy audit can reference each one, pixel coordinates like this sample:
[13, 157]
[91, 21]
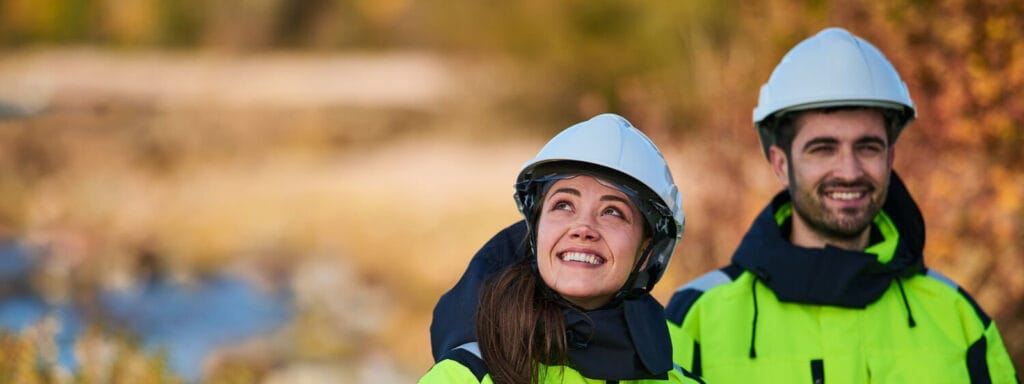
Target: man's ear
[780, 164]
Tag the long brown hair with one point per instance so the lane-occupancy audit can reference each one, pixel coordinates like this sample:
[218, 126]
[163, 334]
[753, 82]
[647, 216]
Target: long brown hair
[519, 324]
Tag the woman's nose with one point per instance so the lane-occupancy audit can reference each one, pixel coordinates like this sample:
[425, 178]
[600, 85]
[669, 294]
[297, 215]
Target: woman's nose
[583, 230]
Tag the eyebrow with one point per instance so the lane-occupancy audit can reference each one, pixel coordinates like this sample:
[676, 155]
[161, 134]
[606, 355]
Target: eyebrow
[571, 191]
[614, 198]
[831, 140]
[872, 139]
[819, 140]
[574, 192]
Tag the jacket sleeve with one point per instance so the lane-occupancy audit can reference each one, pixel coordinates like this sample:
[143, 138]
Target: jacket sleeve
[454, 322]
[999, 365]
[987, 358]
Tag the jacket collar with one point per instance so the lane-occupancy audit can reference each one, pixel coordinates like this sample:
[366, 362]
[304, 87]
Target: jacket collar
[625, 342]
[830, 275]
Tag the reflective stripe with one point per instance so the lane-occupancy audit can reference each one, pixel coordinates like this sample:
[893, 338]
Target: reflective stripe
[709, 280]
[469, 356]
[472, 347]
[985, 320]
[942, 278]
[684, 298]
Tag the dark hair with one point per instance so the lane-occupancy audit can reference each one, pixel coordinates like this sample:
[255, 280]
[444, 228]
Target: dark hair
[785, 124]
[520, 320]
[519, 324]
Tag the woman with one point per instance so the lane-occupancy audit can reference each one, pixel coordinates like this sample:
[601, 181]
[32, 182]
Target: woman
[603, 217]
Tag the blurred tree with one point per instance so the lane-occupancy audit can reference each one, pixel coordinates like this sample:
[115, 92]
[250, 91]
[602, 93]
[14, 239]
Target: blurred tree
[687, 71]
[25, 22]
[181, 22]
[296, 20]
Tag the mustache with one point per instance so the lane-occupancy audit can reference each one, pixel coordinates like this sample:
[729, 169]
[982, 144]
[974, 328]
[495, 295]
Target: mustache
[861, 182]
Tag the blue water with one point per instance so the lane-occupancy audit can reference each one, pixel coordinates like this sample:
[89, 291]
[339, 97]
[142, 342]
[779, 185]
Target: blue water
[19, 312]
[187, 322]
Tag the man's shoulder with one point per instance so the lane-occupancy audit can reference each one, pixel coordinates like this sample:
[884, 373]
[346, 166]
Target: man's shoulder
[933, 277]
[941, 290]
[686, 296]
[713, 279]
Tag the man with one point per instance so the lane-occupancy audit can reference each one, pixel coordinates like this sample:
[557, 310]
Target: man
[829, 282]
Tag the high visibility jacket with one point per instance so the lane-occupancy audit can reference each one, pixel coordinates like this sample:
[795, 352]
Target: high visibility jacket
[785, 314]
[464, 365]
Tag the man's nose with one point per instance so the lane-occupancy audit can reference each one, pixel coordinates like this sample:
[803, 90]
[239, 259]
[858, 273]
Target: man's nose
[849, 166]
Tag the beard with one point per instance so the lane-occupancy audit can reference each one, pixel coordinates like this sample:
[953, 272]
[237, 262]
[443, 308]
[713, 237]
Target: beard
[842, 223]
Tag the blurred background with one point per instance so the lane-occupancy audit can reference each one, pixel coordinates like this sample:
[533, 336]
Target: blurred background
[279, 191]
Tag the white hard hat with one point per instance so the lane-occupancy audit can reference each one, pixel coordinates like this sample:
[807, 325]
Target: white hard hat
[831, 69]
[609, 147]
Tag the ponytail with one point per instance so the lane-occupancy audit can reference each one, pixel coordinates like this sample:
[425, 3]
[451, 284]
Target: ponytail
[519, 324]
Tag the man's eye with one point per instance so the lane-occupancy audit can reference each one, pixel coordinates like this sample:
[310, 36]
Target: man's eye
[822, 149]
[871, 149]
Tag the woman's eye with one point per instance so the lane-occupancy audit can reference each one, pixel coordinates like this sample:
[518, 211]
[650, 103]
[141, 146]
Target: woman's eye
[613, 211]
[562, 206]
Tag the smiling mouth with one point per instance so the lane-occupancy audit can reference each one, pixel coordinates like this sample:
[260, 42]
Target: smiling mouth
[847, 196]
[583, 258]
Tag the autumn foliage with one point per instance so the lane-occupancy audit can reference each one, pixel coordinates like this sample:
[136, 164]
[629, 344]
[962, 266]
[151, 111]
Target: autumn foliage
[687, 73]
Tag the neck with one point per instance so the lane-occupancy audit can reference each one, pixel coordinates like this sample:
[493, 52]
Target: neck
[805, 236]
[588, 304]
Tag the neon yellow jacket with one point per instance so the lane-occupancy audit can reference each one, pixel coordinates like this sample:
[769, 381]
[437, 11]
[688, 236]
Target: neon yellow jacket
[471, 370]
[785, 314]
[798, 343]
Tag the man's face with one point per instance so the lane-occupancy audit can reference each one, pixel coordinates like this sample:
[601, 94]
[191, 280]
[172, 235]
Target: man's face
[837, 172]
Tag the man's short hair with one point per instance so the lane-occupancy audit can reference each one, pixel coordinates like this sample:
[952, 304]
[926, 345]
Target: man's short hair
[784, 125]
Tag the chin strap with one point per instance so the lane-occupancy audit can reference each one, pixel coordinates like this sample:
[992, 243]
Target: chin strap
[639, 281]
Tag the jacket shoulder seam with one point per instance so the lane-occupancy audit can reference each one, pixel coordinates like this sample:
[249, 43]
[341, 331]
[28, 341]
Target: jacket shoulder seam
[942, 279]
[708, 281]
[685, 297]
[468, 355]
[982, 316]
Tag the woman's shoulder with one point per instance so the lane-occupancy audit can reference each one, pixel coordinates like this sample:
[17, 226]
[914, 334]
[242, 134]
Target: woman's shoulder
[561, 374]
[452, 371]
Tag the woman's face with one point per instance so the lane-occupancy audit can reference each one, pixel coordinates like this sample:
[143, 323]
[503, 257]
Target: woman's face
[588, 238]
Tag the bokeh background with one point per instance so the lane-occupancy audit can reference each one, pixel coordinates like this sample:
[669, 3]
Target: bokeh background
[278, 191]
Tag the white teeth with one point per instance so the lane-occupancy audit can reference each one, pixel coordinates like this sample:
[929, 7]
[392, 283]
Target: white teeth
[581, 257]
[845, 195]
